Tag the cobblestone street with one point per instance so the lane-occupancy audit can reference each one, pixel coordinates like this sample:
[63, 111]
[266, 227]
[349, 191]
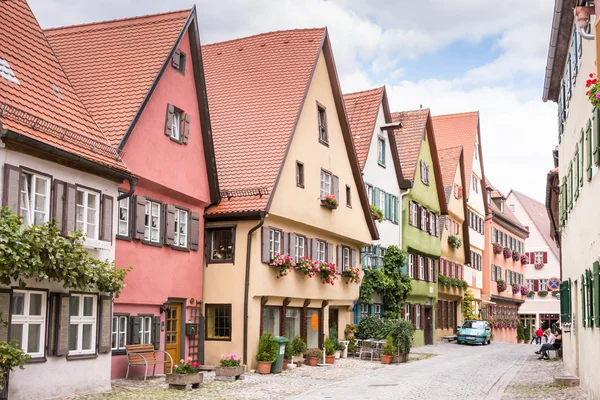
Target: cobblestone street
[448, 371]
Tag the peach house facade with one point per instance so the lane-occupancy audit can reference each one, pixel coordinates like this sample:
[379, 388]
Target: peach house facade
[277, 205]
[163, 129]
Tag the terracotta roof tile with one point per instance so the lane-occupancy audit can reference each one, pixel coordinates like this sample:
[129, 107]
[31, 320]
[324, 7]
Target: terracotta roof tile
[362, 109]
[448, 164]
[113, 64]
[458, 130]
[409, 138]
[44, 94]
[255, 88]
[539, 215]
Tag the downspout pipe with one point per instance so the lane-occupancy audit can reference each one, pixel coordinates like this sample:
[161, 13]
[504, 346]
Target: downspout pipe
[132, 184]
[582, 14]
[247, 283]
[402, 214]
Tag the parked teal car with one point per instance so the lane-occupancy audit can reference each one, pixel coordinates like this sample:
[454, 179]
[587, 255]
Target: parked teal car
[475, 332]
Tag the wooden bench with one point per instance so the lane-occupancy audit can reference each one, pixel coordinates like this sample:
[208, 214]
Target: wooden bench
[144, 355]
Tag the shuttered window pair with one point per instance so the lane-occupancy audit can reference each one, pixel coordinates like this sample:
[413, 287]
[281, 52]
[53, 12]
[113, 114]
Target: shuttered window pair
[38, 198]
[179, 60]
[590, 297]
[386, 202]
[177, 124]
[158, 224]
[412, 313]
[144, 329]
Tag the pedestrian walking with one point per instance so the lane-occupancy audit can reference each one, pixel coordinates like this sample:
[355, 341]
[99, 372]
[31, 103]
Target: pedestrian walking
[538, 336]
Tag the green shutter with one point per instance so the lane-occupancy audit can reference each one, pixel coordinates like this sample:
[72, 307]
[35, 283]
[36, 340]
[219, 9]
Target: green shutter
[376, 197]
[564, 303]
[570, 187]
[590, 298]
[596, 118]
[576, 172]
[388, 210]
[581, 158]
[588, 138]
[395, 205]
[596, 292]
[583, 302]
[383, 153]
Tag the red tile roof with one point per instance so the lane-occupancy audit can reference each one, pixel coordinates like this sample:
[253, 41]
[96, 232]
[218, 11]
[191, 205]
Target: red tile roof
[362, 109]
[458, 130]
[449, 162]
[409, 138]
[539, 215]
[43, 105]
[506, 214]
[113, 64]
[256, 86]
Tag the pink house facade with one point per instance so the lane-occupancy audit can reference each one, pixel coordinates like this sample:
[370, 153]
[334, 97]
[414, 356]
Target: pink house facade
[162, 127]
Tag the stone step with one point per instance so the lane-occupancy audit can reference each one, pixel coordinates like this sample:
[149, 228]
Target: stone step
[566, 380]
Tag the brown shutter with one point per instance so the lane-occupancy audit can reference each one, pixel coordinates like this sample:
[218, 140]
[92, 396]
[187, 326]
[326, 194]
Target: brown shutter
[71, 208]
[53, 302]
[286, 243]
[195, 231]
[265, 245]
[11, 190]
[5, 295]
[169, 238]
[426, 269]
[61, 338]
[438, 315]
[340, 257]
[293, 246]
[186, 129]
[336, 188]
[104, 324]
[140, 217]
[313, 248]
[107, 218]
[435, 271]
[536, 285]
[169, 119]
[413, 315]
[353, 259]
[176, 58]
[330, 252]
[411, 221]
[58, 209]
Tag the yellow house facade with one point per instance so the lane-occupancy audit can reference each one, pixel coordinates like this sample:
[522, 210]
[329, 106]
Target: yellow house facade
[278, 206]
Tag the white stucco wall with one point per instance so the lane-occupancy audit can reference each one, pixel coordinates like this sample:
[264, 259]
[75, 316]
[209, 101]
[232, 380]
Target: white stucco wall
[386, 180]
[57, 377]
[581, 236]
[475, 203]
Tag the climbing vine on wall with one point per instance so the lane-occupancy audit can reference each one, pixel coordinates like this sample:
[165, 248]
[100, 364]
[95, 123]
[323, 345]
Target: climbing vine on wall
[468, 309]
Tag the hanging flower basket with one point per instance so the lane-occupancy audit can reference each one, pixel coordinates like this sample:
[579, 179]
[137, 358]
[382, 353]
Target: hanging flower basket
[530, 294]
[524, 290]
[377, 213]
[284, 262]
[524, 259]
[308, 267]
[516, 288]
[542, 293]
[497, 248]
[593, 92]
[516, 256]
[353, 274]
[328, 273]
[454, 242]
[538, 265]
[507, 252]
[501, 286]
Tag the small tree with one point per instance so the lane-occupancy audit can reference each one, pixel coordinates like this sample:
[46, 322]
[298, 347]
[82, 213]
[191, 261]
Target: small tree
[527, 333]
[520, 331]
[468, 309]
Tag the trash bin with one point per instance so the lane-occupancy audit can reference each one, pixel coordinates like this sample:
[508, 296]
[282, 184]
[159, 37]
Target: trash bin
[278, 364]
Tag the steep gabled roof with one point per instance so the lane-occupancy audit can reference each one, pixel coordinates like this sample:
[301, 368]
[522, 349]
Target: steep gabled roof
[458, 130]
[449, 162]
[39, 101]
[506, 215]
[256, 89]
[539, 215]
[113, 64]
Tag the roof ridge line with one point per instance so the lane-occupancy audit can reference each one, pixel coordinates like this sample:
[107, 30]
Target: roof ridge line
[453, 115]
[364, 91]
[66, 27]
[264, 34]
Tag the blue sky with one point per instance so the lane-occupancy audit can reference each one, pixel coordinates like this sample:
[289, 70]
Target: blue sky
[450, 56]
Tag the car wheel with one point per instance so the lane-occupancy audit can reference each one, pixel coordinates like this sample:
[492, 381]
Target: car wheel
[459, 342]
[485, 342]
[490, 341]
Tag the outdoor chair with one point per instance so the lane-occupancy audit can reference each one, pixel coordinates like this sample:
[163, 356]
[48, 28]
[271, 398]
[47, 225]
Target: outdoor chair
[368, 347]
[144, 355]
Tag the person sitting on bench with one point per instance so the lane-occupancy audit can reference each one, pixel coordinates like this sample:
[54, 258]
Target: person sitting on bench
[554, 343]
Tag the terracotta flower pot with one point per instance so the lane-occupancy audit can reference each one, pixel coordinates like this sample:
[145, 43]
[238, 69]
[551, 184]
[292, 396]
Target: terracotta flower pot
[285, 364]
[313, 361]
[385, 359]
[330, 359]
[264, 367]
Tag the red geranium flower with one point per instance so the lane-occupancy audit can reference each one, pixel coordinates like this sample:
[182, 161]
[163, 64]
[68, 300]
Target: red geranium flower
[591, 75]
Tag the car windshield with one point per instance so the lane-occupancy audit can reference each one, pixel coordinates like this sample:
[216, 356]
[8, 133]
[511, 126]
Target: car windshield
[474, 325]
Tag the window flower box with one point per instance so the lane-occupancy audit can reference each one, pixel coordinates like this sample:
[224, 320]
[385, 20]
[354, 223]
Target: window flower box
[501, 286]
[542, 293]
[525, 290]
[284, 262]
[329, 201]
[516, 256]
[538, 266]
[497, 248]
[454, 242]
[516, 288]
[353, 274]
[507, 252]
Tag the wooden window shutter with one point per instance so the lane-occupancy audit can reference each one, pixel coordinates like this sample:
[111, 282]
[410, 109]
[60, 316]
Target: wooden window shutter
[438, 314]
[580, 159]
[134, 330]
[53, 302]
[411, 220]
[71, 208]
[336, 187]
[176, 58]
[169, 119]
[339, 252]
[11, 192]
[107, 218]
[576, 172]
[596, 292]
[140, 217]
[63, 321]
[195, 231]
[104, 324]
[5, 296]
[313, 249]
[536, 285]
[265, 257]
[186, 129]
[169, 226]
[155, 334]
[388, 206]
[532, 258]
[590, 297]
[395, 205]
[286, 243]
[330, 252]
[589, 149]
[353, 258]
[545, 257]
[596, 118]
[426, 264]
[413, 315]
[58, 208]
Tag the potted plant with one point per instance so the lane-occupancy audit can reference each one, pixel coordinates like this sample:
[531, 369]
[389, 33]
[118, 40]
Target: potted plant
[497, 247]
[507, 252]
[376, 213]
[531, 294]
[516, 288]
[329, 201]
[555, 293]
[353, 275]
[314, 355]
[525, 290]
[186, 373]
[329, 351]
[501, 286]
[454, 242]
[520, 333]
[267, 353]
[524, 259]
[333, 335]
[284, 262]
[388, 350]
[516, 256]
[230, 368]
[294, 348]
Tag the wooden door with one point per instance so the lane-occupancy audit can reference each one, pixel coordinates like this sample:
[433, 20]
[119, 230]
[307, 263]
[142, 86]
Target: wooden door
[173, 331]
[427, 329]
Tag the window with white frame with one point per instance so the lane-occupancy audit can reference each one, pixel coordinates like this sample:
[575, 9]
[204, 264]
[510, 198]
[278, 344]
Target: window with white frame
[35, 198]
[421, 267]
[124, 216]
[381, 151]
[88, 212]
[152, 222]
[543, 284]
[345, 258]
[370, 194]
[325, 183]
[432, 223]
[145, 330]
[274, 243]
[411, 265]
[181, 228]
[414, 211]
[418, 316]
[28, 321]
[119, 332]
[475, 186]
[407, 312]
[364, 309]
[382, 196]
[299, 247]
[539, 257]
[424, 213]
[82, 329]
[431, 269]
[176, 124]
[321, 251]
[377, 310]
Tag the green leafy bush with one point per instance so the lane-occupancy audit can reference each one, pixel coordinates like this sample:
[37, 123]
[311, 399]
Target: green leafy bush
[268, 348]
[527, 333]
[377, 213]
[295, 347]
[314, 352]
[520, 331]
[452, 282]
[329, 347]
[542, 293]
[468, 308]
[11, 356]
[400, 330]
[454, 241]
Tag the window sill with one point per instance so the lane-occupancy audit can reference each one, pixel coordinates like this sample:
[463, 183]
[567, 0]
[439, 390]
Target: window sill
[184, 249]
[76, 357]
[126, 238]
[218, 340]
[149, 243]
[324, 143]
[230, 261]
[97, 244]
[178, 141]
[37, 360]
[119, 352]
[328, 205]
[381, 164]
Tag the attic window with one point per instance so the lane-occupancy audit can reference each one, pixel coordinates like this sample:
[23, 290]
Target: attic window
[56, 91]
[7, 73]
[178, 61]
